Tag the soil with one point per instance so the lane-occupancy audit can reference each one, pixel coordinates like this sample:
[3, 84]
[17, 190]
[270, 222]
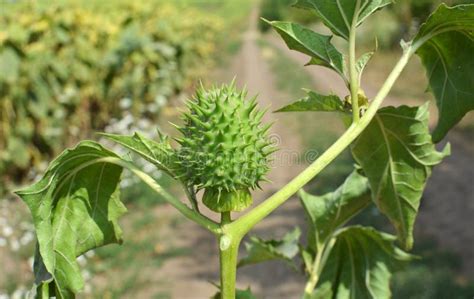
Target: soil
[446, 212]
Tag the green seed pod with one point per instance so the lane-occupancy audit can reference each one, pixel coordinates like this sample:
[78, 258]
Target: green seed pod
[224, 149]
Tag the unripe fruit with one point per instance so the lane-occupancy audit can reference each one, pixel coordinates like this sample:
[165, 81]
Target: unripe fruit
[224, 149]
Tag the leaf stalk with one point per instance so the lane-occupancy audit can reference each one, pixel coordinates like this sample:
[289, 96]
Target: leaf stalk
[353, 75]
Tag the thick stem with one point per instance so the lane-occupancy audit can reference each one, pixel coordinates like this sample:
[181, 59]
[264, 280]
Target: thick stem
[244, 224]
[228, 252]
[354, 77]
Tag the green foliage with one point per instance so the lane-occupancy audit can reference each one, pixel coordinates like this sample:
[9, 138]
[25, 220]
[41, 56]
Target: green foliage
[360, 265]
[317, 46]
[315, 102]
[224, 149]
[259, 250]
[75, 208]
[339, 15]
[281, 10]
[330, 211]
[397, 155]
[65, 69]
[450, 69]
[160, 154]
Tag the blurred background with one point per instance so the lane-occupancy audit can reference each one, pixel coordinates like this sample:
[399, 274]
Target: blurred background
[70, 68]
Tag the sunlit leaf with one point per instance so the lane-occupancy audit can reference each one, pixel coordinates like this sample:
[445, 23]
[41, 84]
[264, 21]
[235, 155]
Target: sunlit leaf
[315, 45]
[159, 153]
[360, 265]
[396, 154]
[315, 102]
[75, 208]
[330, 211]
[447, 50]
[259, 250]
[338, 15]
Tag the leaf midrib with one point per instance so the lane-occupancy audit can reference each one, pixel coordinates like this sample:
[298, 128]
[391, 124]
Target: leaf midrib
[390, 169]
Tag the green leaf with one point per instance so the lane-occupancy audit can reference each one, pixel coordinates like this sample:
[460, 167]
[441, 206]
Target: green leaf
[161, 154]
[259, 250]
[315, 102]
[362, 63]
[239, 294]
[330, 211]
[75, 208]
[447, 49]
[338, 15]
[396, 154]
[315, 45]
[360, 265]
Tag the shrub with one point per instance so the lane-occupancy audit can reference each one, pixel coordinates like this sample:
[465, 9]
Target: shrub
[65, 70]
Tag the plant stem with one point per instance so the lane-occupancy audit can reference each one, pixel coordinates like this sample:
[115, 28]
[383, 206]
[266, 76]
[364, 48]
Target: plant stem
[228, 252]
[314, 275]
[244, 224]
[225, 218]
[318, 265]
[354, 77]
[184, 209]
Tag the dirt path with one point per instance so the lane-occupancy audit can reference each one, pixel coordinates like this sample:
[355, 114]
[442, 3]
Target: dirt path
[448, 202]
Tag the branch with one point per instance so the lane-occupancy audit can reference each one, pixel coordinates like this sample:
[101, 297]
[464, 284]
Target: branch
[244, 224]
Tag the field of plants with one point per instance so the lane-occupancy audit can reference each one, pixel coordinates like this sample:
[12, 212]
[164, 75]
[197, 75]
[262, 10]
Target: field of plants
[164, 90]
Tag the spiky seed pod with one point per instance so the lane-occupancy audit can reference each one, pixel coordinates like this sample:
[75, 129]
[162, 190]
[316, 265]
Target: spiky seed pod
[224, 149]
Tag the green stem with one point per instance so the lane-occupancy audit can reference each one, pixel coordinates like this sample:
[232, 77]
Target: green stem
[354, 77]
[184, 209]
[228, 252]
[318, 265]
[244, 224]
[225, 218]
[314, 275]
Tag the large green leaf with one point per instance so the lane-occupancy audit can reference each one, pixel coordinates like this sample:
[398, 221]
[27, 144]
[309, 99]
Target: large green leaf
[75, 208]
[447, 50]
[338, 15]
[397, 154]
[316, 45]
[360, 265]
[330, 211]
[315, 102]
[159, 153]
[259, 250]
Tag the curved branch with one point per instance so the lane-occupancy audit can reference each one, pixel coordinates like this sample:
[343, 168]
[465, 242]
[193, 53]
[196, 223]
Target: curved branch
[244, 224]
[184, 209]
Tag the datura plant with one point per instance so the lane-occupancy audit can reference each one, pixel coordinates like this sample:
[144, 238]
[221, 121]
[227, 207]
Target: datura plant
[223, 151]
